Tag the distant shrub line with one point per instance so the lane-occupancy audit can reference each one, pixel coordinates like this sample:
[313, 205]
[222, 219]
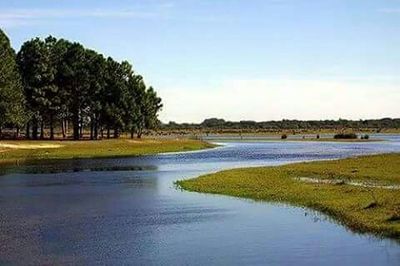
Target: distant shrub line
[345, 136]
[248, 125]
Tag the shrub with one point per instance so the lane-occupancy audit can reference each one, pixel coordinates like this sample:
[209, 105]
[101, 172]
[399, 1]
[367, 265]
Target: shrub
[345, 136]
[318, 136]
[366, 136]
[284, 136]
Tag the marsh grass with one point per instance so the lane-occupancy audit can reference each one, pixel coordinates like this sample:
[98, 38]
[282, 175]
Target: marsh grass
[95, 149]
[373, 210]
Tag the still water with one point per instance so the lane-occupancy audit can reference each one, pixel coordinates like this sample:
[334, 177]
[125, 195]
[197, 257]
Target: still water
[127, 211]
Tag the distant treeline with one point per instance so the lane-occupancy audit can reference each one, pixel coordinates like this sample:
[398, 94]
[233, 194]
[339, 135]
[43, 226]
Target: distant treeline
[53, 82]
[215, 123]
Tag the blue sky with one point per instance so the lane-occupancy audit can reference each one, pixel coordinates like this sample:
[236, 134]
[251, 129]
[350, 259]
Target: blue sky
[237, 59]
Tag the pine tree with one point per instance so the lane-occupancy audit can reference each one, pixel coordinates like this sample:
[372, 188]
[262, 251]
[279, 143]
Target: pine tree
[12, 111]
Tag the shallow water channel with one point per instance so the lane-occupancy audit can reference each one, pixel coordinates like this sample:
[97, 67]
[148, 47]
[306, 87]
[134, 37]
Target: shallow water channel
[127, 211]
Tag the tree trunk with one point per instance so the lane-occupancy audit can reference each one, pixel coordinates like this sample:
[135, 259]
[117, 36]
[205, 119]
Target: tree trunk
[41, 129]
[116, 133]
[132, 133]
[76, 127]
[108, 132]
[27, 134]
[139, 133]
[17, 133]
[66, 127]
[63, 128]
[92, 129]
[34, 130]
[1, 133]
[51, 127]
[81, 130]
[96, 129]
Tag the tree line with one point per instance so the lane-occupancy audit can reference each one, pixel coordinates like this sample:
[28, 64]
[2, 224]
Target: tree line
[55, 83]
[217, 123]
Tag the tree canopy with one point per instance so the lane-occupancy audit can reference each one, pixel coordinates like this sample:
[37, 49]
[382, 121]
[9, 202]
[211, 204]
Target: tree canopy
[11, 92]
[54, 82]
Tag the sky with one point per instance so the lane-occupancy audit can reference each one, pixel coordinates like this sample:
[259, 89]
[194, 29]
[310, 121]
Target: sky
[238, 59]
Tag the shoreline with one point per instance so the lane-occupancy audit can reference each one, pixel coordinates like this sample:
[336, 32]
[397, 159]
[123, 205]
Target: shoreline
[293, 140]
[370, 210]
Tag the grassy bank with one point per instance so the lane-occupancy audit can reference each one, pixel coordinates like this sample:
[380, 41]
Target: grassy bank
[13, 151]
[363, 209]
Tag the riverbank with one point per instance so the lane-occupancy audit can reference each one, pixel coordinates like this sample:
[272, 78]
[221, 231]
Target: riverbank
[322, 137]
[335, 140]
[296, 133]
[373, 206]
[278, 138]
[20, 151]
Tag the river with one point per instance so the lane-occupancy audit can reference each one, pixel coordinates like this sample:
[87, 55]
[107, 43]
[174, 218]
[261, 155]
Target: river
[127, 211]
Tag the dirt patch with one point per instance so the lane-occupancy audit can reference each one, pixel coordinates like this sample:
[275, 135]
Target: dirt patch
[144, 141]
[321, 181]
[345, 182]
[28, 146]
[134, 141]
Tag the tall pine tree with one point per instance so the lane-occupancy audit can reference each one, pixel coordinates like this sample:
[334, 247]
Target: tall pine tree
[11, 93]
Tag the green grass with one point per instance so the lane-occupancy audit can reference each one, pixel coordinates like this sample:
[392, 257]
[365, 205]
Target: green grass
[373, 210]
[95, 149]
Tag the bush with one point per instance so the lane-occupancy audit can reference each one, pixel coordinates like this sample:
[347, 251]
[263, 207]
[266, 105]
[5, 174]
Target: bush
[366, 136]
[345, 136]
[284, 136]
[318, 136]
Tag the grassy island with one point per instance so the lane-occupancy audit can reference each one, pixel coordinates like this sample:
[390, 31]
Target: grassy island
[362, 193]
[16, 151]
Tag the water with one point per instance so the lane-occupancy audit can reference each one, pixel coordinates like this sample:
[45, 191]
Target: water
[127, 211]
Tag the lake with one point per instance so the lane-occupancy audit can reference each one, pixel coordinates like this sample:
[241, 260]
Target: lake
[127, 211]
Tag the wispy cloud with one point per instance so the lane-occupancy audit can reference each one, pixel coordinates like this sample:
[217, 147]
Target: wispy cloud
[71, 13]
[164, 11]
[22, 17]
